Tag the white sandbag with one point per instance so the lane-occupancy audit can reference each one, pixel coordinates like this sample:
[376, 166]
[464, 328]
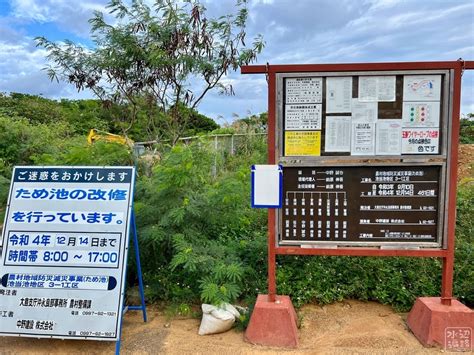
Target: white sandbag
[217, 320]
[229, 308]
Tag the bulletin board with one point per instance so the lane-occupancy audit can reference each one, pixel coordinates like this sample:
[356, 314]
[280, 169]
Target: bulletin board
[364, 157]
[382, 165]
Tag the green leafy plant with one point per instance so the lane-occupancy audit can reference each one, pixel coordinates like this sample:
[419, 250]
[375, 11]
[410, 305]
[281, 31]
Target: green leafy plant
[222, 285]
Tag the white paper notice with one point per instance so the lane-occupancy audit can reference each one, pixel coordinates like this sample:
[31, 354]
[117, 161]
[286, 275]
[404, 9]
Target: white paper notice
[266, 186]
[420, 141]
[388, 138]
[376, 88]
[421, 114]
[364, 111]
[338, 94]
[367, 88]
[304, 90]
[363, 138]
[421, 87]
[386, 88]
[303, 117]
[338, 134]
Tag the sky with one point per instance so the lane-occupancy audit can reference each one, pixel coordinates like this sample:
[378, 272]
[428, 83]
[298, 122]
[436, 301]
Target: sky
[295, 31]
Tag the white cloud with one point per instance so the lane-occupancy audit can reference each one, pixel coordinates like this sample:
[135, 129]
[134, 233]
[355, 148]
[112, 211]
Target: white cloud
[302, 31]
[21, 67]
[69, 16]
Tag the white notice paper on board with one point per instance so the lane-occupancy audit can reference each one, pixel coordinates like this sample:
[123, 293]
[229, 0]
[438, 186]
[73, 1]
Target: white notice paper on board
[363, 138]
[338, 94]
[338, 134]
[376, 88]
[388, 138]
[420, 141]
[386, 88]
[421, 87]
[304, 90]
[421, 114]
[367, 88]
[303, 117]
[364, 111]
[266, 189]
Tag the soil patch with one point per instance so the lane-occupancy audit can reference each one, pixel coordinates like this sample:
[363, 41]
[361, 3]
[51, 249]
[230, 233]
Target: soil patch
[350, 327]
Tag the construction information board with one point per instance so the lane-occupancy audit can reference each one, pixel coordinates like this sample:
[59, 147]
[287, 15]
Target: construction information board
[394, 204]
[65, 243]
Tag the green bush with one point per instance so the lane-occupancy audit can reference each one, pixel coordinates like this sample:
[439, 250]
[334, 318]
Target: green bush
[466, 132]
[196, 223]
[76, 151]
[21, 141]
[194, 250]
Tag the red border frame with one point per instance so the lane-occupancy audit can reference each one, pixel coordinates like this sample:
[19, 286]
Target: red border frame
[446, 254]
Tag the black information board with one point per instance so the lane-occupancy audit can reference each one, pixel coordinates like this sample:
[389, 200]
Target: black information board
[371, 204]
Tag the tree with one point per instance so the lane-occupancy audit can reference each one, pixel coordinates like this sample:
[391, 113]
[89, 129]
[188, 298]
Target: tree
[165, 56]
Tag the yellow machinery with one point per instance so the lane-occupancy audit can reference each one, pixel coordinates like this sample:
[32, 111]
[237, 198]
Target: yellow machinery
[97, 135]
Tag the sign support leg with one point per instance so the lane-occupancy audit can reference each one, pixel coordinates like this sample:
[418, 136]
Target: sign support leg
[139, 271]
[447, 281]
[271, 256]
[118, 342]
[142, 307]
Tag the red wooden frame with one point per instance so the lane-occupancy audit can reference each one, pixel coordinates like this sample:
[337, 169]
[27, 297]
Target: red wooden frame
[446, 254]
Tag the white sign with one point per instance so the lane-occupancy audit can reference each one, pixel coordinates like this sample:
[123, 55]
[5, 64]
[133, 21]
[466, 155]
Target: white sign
[421, 87]
[377, 88]
[266, 186]
[388, 138]
[420, 141]
[303, 117]
[338, 134]
[304, 90]
[421, 114]
[364, 111]
[338, 94]
[363, 138]
[65, 242]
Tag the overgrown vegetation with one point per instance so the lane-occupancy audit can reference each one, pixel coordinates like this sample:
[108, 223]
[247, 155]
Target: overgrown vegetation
[200, 240]
[466, 133]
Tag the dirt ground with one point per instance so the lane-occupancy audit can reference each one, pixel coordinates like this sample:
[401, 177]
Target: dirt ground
[350, 327]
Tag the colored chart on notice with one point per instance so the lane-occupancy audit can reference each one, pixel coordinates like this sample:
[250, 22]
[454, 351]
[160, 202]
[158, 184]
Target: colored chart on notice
[303, 143]
[421, 114]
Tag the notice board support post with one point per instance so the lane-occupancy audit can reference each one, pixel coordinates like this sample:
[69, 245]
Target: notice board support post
[448, 261]
[271, 212]
[141, 289]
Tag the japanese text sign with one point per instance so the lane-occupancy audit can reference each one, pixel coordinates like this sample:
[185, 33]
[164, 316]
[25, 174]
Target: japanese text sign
[65, 242]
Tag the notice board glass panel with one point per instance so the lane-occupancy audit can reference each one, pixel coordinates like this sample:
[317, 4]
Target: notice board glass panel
[361, 204]
[366, 114]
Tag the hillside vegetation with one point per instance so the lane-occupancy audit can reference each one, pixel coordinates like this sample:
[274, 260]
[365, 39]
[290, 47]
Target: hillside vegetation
[199, 238]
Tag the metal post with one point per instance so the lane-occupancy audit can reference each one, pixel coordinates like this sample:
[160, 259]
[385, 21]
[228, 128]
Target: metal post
[448, 261]
[214, 167]
[139, 267]
[140, 284]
